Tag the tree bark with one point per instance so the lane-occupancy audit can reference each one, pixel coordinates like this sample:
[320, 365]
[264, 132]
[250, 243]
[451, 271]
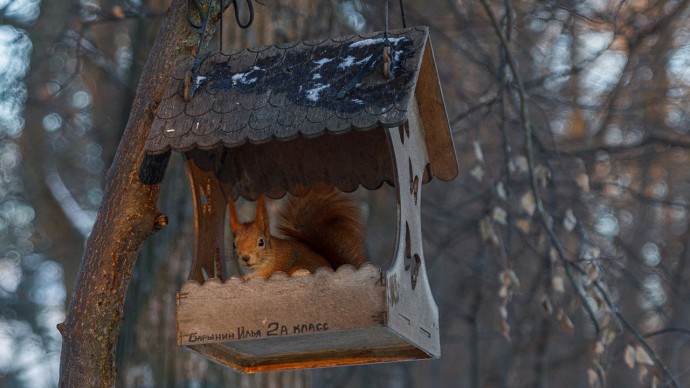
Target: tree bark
[127, 216]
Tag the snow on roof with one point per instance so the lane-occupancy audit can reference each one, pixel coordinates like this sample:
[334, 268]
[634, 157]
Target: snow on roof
[284, 91]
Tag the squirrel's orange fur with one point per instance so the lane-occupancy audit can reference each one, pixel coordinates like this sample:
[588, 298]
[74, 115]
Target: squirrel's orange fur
[324, 229]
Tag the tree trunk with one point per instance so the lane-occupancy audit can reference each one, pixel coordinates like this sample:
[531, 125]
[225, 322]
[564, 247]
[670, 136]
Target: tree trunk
[127, 216]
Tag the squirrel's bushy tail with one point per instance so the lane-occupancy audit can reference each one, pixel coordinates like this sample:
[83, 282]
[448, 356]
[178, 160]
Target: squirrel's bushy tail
[329, 222]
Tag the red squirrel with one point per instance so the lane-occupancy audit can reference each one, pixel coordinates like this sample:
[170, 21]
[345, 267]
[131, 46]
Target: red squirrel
[324, 228]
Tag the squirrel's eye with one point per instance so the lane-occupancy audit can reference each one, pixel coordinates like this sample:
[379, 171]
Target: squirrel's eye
[261, 242]
[234, 246]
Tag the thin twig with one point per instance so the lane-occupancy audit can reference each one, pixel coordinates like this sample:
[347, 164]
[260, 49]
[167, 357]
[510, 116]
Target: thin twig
[485, 101]
[527, 127]
[639, 195]
[667, 330]
[630, 328]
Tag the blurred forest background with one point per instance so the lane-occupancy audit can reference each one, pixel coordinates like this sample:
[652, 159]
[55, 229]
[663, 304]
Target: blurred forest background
[559, 257]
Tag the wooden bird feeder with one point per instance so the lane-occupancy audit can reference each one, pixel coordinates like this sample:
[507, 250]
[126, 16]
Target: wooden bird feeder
[272, 120]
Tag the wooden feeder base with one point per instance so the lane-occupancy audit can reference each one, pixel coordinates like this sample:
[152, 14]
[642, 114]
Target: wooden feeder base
[320, 320]
[312, 351]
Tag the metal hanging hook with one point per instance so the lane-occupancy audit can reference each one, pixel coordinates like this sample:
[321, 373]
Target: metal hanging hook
[249, 22]
[197, 9]
[385, 13]
[402, 14]
[386, 52]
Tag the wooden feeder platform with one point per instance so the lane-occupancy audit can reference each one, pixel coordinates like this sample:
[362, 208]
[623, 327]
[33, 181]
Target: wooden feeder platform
[330, 318]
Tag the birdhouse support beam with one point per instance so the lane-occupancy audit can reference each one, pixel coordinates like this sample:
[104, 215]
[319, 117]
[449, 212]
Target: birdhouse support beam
[412, 309]
[210, 207]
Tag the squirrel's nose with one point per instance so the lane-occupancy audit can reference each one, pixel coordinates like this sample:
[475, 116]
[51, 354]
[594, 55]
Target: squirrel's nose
[245, 258]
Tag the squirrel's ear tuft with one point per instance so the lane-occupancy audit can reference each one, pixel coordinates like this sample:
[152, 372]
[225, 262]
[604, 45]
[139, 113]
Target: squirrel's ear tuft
[234, 224]
[262, 221]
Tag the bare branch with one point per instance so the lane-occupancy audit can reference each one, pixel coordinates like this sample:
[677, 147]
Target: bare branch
[70, 207]
[640, 196]
[668, 330]
[125, 219]
[631, 329]
[527, 127]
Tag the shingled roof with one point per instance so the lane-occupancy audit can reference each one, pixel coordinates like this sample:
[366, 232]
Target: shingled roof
[285, 91]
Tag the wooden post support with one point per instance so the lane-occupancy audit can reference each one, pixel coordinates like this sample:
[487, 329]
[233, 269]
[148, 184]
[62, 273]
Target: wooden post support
[209, 215]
